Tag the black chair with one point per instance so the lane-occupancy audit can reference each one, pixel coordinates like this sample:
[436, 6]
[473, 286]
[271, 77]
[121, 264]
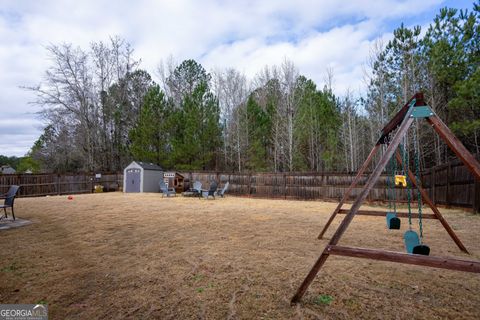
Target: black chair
[9, 200]
[210, 192]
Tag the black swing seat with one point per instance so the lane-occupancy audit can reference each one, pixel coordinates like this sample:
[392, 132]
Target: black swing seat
[413, 245]
[393, 222]
[421, 249]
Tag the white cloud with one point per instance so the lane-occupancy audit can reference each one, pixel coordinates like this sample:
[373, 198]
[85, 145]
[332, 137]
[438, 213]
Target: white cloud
[242, 34]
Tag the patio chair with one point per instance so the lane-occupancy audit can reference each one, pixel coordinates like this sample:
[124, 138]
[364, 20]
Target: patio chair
[211, 191]
[9, 200]
[195, 190]
[165, 190]
[221, 193]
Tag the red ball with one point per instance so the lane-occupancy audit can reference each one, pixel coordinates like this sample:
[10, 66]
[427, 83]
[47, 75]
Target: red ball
[70, 197]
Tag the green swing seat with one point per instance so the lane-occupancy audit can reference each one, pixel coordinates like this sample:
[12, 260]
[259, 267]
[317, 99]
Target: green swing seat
[413, 245]
[393, 222]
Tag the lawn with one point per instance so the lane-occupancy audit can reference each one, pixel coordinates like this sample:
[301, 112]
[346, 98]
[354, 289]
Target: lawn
[141, 256]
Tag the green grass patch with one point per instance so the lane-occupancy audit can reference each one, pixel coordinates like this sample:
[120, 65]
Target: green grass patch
[11, 268]
[197, 277]
[323, 299]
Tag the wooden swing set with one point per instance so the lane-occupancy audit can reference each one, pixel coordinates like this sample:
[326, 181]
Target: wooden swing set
[391, 136]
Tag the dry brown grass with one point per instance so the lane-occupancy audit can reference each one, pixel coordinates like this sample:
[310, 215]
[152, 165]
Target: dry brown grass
[140, 256]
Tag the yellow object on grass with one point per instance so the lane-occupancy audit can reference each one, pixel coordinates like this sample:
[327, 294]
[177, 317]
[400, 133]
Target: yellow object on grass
[400, 180]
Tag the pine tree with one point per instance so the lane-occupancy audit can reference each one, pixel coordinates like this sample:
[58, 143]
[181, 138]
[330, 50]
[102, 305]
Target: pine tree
[150, 137]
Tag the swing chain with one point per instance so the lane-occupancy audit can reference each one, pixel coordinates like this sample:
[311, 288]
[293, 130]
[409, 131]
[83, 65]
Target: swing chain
[390, 180]
[417, 178]
[405, 162]
[393, 163]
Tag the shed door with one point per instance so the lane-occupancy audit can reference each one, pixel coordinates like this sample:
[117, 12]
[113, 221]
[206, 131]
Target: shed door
[133, 180]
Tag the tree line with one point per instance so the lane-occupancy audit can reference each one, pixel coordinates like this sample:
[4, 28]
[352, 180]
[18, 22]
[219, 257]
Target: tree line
[102, 110]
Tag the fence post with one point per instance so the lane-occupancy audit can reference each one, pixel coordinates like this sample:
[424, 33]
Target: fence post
[369, 195]
[476, 196]
[58, 184]
[18, 183]
[432, 186]
[249, 184]
[447, 196]
[285, 186]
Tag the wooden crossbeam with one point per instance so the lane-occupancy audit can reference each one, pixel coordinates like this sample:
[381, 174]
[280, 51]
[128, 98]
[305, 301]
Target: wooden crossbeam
[400, 257]
[374, 213]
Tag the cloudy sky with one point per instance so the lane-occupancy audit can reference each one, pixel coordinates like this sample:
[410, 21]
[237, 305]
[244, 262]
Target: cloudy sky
[246, 35]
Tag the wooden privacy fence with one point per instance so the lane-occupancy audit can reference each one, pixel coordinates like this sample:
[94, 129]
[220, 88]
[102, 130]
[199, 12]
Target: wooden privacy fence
[450, 184]
[55, 184]
[306, 186]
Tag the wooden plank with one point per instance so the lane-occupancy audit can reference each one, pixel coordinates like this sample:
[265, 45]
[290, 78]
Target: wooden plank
[402, 130]
[400, 257]
[374, 213]
[349, 190]
[452, 141]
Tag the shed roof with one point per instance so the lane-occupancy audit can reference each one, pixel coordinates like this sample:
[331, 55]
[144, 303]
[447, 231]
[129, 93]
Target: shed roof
[7, 169]
[149, 166]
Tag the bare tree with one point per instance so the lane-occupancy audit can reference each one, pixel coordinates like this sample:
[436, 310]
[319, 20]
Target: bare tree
[230, 86]
[75, 91]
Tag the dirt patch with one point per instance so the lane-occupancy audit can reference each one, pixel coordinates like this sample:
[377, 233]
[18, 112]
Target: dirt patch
[142, 256]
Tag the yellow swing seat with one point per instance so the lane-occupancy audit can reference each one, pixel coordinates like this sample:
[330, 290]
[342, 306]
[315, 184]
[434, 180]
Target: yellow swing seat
[400, 180]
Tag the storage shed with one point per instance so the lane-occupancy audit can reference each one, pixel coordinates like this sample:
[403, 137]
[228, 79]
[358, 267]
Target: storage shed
[142, 177]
